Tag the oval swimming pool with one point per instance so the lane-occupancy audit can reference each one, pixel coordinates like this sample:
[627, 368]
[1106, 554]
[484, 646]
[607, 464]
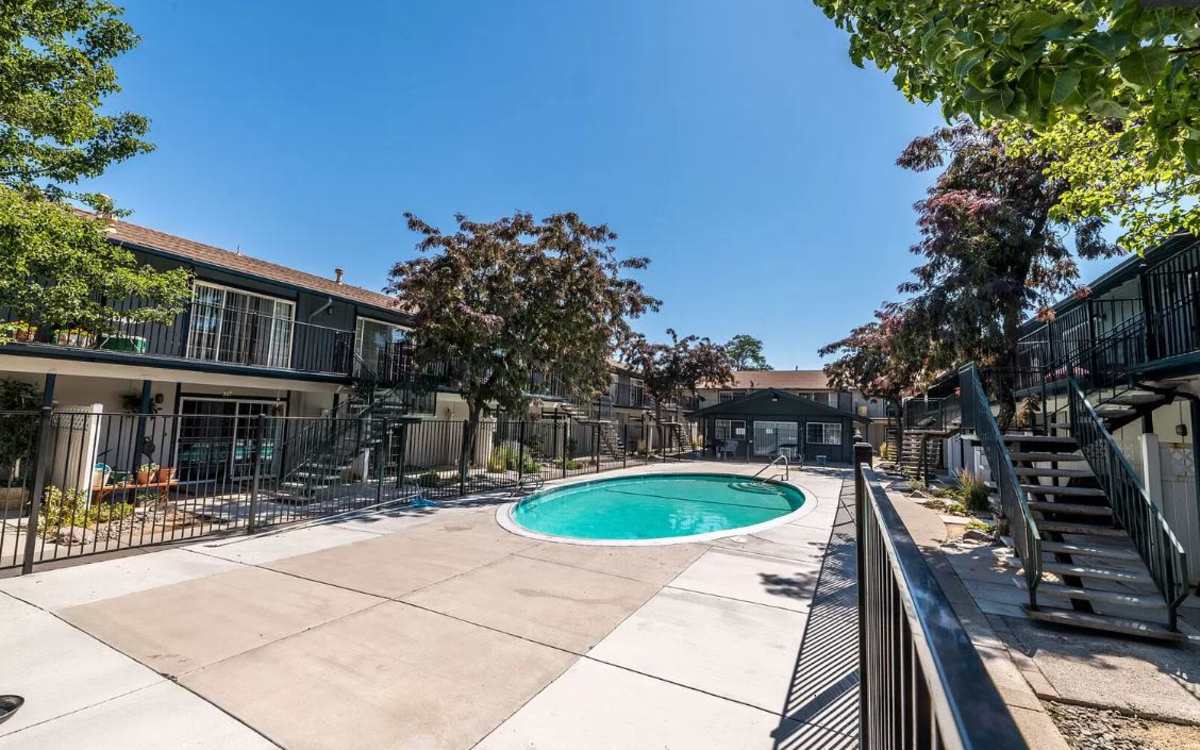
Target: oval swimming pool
[656, 506]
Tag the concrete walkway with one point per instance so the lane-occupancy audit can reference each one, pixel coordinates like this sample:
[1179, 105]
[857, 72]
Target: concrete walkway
[441, 630]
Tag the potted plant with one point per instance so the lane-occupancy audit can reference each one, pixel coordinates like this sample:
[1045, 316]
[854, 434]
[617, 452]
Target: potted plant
[146, 473]
[74, 337]
[22, 331]
[165, 474]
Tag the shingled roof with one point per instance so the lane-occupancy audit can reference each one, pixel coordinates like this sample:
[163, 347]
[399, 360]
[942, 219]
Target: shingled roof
[805, 380]
[152, 239]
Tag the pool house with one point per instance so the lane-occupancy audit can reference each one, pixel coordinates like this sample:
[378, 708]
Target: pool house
[767, 423]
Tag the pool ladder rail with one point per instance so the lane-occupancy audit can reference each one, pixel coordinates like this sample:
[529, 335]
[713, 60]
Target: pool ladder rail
[787, 472]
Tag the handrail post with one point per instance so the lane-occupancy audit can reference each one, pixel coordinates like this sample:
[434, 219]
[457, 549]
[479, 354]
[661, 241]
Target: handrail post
[39, 484]
[862, 454]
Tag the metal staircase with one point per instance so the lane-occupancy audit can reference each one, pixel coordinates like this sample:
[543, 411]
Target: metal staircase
[321, 457]
[1094, 551]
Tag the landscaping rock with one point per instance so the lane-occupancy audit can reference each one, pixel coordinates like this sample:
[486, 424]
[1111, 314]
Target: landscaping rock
[72, 537]
[1097, 729]
[976, 535]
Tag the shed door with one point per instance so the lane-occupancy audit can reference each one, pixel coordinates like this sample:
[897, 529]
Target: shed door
[775, 438]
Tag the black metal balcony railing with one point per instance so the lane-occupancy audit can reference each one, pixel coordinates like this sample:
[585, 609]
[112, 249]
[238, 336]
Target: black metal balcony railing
[921, 681]
[208, 333]
[628, 396]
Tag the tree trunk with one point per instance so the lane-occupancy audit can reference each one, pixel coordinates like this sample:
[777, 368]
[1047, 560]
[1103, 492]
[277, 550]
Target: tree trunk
[467, 449]
[1005, 374]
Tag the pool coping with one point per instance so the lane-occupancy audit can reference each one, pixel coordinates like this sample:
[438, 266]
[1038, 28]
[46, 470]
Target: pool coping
[504, 517]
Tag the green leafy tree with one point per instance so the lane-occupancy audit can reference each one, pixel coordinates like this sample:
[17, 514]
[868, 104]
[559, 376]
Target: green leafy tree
[746, 352]
[501, 300]
[1112, 86]
[671, 370]
[55, 72]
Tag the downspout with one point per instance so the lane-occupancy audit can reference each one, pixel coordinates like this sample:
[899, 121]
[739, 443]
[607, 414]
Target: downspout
[328, 304]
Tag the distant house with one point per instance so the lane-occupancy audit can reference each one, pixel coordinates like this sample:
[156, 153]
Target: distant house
[766, 423]
[807, 384]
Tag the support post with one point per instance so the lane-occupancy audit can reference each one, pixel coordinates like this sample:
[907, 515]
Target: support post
[39, 483]
[260, 424]
[520, 452]
[381, 461]
[400, 465]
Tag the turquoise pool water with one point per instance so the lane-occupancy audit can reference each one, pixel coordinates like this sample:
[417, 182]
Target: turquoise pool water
[656, 506]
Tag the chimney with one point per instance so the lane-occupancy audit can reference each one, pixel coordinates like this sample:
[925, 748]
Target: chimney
[337, 275]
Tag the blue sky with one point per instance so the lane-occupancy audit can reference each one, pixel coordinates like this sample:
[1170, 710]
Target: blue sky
[731, 142]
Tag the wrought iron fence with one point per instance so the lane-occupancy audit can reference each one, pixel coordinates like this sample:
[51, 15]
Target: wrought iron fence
[82, 482]
[921, 681]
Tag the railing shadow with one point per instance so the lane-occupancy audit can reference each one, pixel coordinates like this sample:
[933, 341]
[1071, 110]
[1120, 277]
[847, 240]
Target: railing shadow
[821, 709]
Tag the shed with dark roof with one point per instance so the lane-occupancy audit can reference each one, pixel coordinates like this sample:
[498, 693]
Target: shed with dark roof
[769, 422]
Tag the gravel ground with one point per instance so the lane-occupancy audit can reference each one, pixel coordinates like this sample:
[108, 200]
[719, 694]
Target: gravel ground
[1098, 729]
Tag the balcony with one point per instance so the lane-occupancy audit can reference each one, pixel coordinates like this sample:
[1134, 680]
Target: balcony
[203, 332]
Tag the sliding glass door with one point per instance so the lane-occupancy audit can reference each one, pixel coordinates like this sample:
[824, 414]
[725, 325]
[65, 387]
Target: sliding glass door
[217, 439]
[375, 344]
[229, 325]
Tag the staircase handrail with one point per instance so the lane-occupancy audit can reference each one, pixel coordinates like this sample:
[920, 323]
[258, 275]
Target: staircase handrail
[977, 415]
[1147, 527]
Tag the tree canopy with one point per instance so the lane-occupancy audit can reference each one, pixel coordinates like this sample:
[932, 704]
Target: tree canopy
[671, 370]
[880, 359]
[503, 299]
[55, 72]
[746, 351]
[1114, 81]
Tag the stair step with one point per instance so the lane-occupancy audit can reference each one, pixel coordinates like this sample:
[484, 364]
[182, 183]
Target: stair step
[1045, 456]
[1073, 508]
[1091, 550]
[1095, 595]
[1040, 439]
[1134, 397]
[1111, 410]
[1091, 571]
[1089, 621]
[1049, 489]
[1035, 471]
[1074, 527]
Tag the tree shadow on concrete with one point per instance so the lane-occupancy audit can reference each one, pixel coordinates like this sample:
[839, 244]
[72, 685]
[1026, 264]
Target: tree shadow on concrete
[821, 709]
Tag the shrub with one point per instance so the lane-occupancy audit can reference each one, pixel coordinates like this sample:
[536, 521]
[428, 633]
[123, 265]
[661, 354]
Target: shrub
[429, 479]
[508, 456]
[71, 509]
[972, 492]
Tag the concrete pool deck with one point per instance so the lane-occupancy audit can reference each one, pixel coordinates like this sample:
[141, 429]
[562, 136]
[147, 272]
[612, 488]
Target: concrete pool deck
[419, 629]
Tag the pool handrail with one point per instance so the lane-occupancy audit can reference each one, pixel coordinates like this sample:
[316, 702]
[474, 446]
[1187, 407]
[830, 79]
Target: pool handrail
[787, 474]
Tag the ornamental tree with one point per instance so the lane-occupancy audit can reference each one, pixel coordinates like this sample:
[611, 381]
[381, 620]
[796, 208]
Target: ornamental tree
[746, 352]
[671, 370]
[992, 251]
[504, 299]
[881, 359]
[55, 72]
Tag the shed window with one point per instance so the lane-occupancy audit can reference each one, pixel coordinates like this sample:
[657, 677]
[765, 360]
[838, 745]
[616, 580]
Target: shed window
[723, 396]
[823, 433]
[721, 431]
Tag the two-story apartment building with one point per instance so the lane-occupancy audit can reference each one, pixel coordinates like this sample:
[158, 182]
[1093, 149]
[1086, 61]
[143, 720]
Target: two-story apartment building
[256, 337]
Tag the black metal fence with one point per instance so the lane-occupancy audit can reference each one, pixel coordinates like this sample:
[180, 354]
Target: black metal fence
[922, 683]
[75, 483]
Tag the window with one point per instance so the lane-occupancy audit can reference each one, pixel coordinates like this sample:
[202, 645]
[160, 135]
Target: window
[722, 431]
[823, 433]
[230, 325]
[723, 396]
